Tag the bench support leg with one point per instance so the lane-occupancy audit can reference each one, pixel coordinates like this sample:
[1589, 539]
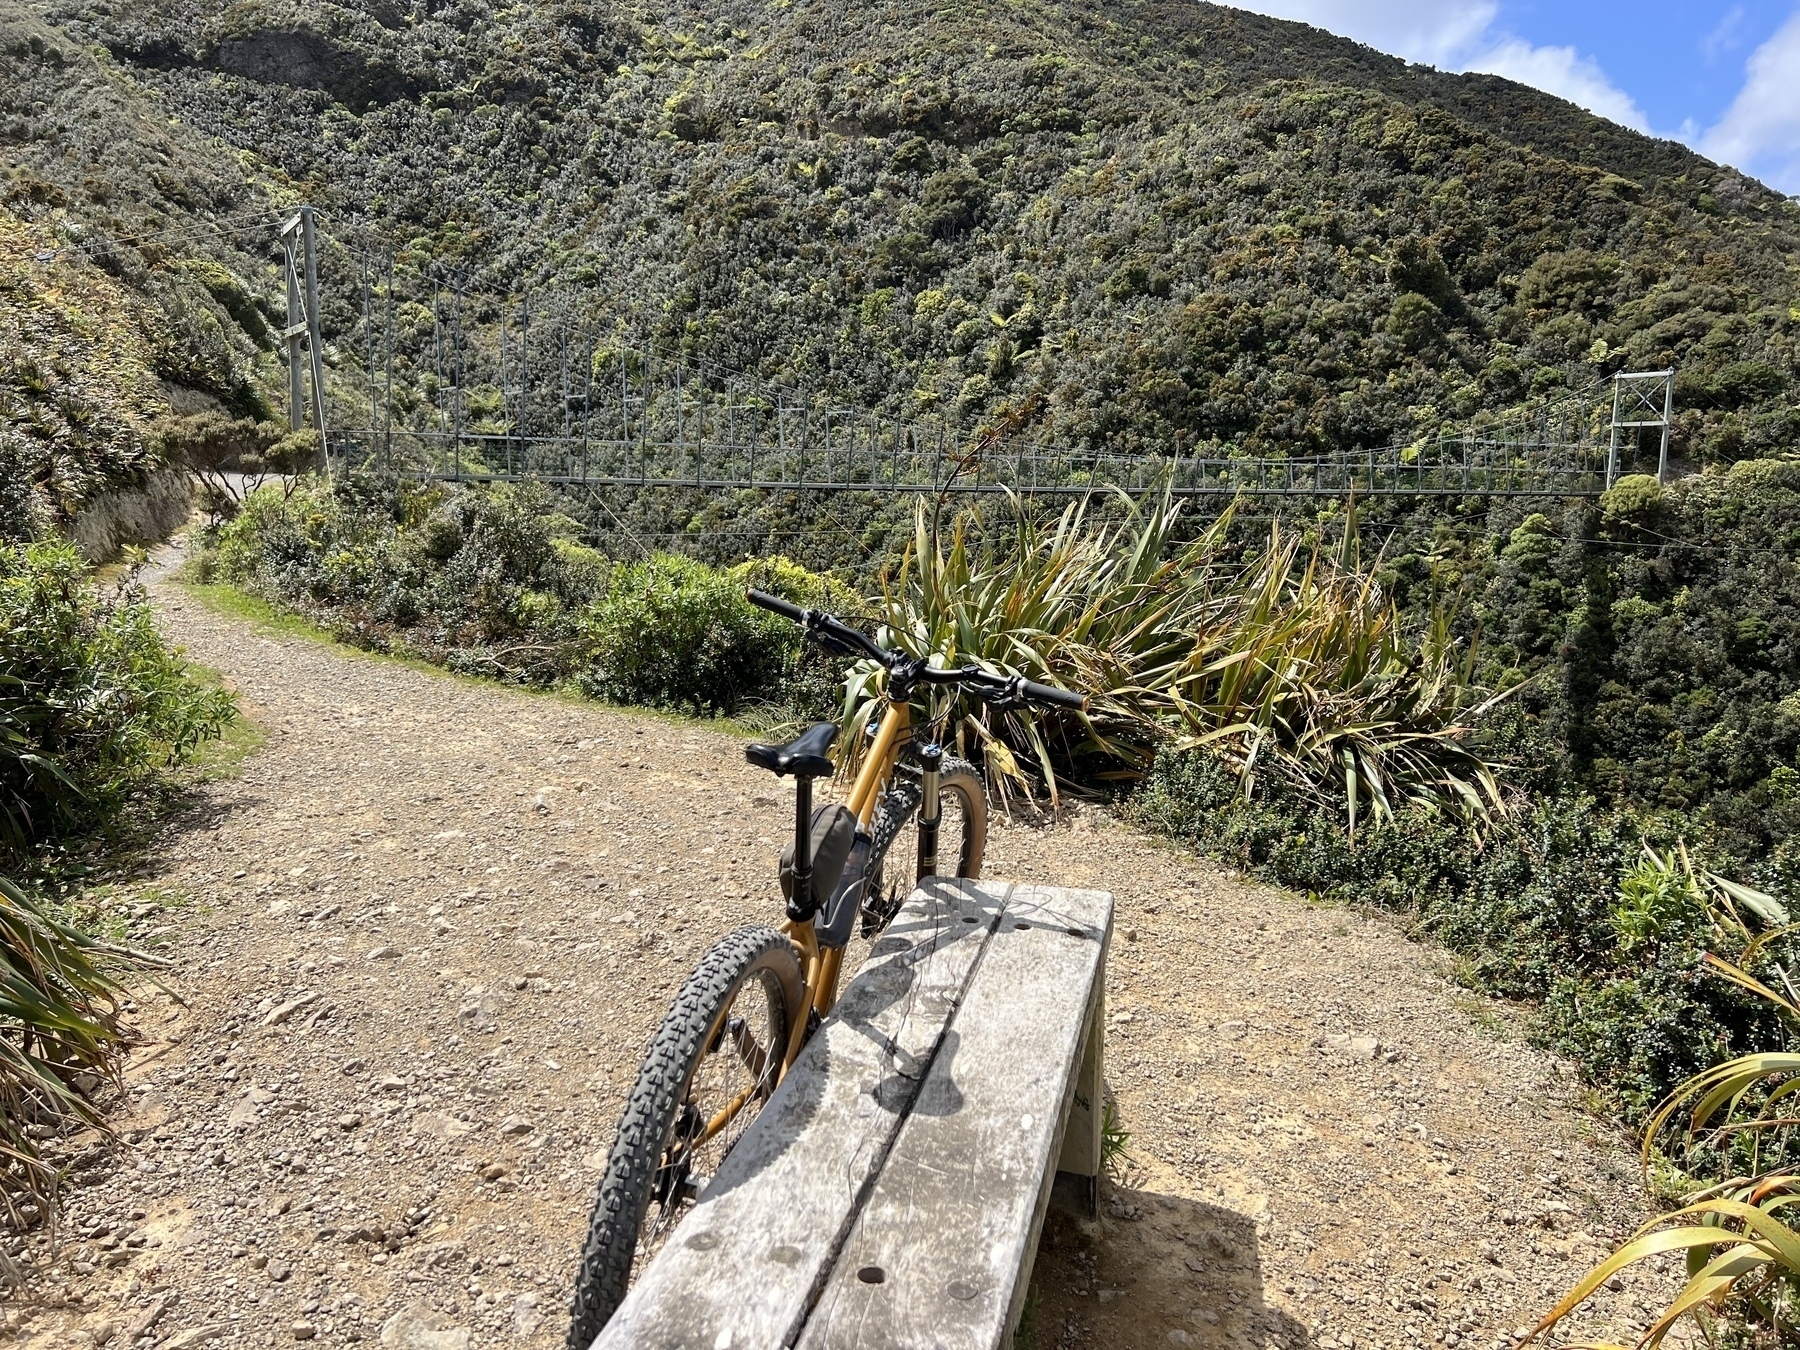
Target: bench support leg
[1081, 1147]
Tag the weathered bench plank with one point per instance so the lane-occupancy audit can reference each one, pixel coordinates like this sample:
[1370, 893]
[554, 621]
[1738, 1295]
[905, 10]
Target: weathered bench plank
[940, 1256]
[742, 1268]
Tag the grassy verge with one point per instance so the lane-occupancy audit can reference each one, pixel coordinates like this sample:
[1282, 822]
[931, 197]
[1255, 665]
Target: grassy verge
[238, 739]
[231, 602]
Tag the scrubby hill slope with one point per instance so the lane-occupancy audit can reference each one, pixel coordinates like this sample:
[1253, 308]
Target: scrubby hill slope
[119, 298]
[1138, 221]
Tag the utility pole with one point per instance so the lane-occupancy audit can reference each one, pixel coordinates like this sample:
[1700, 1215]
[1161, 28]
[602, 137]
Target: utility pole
[300, 255]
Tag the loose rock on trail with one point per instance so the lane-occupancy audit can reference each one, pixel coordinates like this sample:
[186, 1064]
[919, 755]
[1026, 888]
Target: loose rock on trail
[421, 941]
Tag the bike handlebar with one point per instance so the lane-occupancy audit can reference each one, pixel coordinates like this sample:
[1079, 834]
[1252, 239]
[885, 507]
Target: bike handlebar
[775, 604]
[837, 634]
[821, 625]
[1049, 693]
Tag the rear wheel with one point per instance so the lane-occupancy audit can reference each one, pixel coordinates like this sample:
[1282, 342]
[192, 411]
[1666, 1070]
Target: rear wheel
[894, 863]
[712, 1063]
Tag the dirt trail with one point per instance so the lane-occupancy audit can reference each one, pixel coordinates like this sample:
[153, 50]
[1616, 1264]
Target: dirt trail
[423, 938]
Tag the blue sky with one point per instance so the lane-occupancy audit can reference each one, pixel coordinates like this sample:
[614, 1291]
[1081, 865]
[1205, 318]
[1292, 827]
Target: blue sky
[1721, 75]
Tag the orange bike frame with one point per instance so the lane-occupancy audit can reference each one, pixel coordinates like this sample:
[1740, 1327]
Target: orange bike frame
[822, 967]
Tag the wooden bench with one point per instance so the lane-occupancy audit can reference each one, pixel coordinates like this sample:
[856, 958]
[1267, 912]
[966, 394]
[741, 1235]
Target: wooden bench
[891, 1191]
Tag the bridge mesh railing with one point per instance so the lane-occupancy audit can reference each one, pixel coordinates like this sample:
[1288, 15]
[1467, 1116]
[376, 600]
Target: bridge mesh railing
[463, 384]
[908, 458]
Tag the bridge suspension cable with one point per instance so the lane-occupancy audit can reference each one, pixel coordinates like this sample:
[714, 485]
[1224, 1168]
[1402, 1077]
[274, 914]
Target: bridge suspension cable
[467, 384]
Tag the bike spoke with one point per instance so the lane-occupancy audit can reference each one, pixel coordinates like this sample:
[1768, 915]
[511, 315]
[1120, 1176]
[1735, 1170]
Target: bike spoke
[738, 1071]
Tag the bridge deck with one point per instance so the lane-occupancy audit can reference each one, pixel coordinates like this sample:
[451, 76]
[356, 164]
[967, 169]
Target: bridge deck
[1448, 468]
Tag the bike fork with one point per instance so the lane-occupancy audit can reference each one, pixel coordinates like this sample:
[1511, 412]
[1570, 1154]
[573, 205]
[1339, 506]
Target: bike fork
[931, 760]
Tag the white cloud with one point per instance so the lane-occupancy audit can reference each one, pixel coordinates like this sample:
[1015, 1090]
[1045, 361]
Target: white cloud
[1419, 30]
[1760, 131]
[1727, 35]
[1460, 35]
[1564, 72]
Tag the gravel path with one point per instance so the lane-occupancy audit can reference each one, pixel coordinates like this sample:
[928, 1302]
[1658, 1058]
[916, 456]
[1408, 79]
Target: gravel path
[422, 939]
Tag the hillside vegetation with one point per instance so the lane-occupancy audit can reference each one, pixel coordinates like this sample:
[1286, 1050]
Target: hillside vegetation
[1137, 222]
[119, 299]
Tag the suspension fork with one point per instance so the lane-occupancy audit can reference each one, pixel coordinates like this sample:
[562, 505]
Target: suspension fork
[931, 761]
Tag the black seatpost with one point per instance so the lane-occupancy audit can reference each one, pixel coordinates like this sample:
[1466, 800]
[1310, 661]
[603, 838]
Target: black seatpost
[800, 907]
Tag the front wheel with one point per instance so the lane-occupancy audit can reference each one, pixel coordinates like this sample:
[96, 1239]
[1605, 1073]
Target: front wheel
[894, 861]
[712, 1063]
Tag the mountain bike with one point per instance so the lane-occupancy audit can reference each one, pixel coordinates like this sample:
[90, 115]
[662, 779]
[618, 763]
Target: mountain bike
[745, 1012]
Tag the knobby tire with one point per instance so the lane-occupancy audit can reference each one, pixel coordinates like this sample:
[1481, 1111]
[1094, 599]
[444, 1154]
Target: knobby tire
[693, 1028]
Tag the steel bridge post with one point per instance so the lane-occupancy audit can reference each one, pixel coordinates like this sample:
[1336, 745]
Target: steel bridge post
[1662, 459]
[300, 267]
[310, 239]
[387, 379]
[457, 396]
[369, 345]
[295, 328]
[524, 385]
[1612, 451]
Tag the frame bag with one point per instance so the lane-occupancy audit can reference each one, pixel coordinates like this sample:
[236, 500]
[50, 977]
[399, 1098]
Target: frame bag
[833, 836]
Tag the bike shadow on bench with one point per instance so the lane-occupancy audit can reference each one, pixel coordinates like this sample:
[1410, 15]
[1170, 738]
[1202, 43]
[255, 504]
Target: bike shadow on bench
[889, 982]
[1153, 1271]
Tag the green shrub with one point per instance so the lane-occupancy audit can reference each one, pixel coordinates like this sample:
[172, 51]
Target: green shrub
[491, 581]
[1634, 499]
[674, 633]
[483, 581]
[91, 699]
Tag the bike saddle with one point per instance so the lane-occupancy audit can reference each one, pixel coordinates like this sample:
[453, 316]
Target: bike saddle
[804, 756]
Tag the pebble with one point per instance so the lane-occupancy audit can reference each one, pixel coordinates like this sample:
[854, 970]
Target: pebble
[388, 952]
[418, 1327]
[304, 1331]
[284, 1011]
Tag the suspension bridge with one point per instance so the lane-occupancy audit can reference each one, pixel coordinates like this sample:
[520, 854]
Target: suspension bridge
[468, 385]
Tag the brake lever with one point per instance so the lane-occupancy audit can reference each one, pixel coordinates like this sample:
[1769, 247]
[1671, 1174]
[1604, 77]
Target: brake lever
[835, 645]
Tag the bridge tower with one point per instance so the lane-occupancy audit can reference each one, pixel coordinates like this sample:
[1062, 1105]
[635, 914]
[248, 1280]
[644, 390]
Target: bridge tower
[300, 266]
[1642, 398]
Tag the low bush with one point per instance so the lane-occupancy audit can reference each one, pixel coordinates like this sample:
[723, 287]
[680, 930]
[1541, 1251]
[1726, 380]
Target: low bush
[1545, 903]
[674, 633]
[493, 581]
[92, 701]
[487, 582]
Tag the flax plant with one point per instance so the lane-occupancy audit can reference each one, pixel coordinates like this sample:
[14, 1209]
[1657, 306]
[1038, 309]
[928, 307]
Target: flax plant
[59, 1020]
[1298, 665]
[1738, 1237]
[1294, 663]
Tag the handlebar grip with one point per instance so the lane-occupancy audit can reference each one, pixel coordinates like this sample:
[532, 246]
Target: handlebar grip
[775, 604]
[1049, 693]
